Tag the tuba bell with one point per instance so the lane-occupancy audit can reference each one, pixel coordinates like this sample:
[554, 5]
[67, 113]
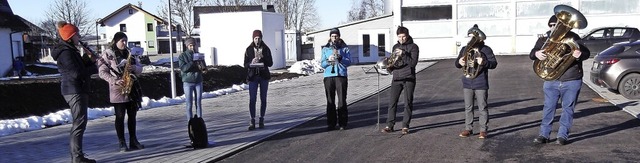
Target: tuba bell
[556, 46]
[471, 68]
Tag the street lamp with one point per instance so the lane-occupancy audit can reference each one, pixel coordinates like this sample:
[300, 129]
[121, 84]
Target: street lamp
[97, 36]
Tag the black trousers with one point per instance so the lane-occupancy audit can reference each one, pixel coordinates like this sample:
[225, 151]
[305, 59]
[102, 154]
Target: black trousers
[333, 85]
[131, 110]
[396, 88]
[78, 104]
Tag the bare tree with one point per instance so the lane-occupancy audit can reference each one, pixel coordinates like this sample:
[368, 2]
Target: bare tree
[72, 11]
[363, 9]
[181, 11]
[298, 14]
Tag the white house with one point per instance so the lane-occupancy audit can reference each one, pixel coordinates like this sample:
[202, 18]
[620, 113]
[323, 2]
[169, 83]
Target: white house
[225, 36]
[11, 37]
[143, 29]
[439, 27]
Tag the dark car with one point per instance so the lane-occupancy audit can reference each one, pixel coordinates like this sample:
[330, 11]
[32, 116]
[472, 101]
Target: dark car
[617, 68]
[602, 38]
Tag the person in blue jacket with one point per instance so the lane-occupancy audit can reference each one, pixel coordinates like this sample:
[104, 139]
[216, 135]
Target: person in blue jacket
[335, 60]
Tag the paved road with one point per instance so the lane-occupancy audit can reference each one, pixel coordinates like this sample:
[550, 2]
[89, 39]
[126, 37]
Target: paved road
[601, 133]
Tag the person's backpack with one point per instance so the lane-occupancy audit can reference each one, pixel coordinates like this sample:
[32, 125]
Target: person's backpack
[198, 132]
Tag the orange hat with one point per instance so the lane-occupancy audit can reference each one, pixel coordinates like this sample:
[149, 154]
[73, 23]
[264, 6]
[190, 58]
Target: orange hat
[66, 30]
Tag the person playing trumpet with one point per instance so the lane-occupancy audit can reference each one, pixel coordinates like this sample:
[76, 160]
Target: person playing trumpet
[257, 60]
[114, 60]
[476, 89]
[335, 60]
[74, 84]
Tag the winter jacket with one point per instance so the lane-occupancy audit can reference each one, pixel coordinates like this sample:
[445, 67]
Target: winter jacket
[74, 70]
[489, 62]
[254, 72]
[405, 67]
[574, 72]
[339, 69]
[189, 71]
[108, 64]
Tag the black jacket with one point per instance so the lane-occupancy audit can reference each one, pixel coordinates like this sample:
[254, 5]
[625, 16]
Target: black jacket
[489, 62]
[405, 68]
[75, 70]
[263, 72]
[574, 72]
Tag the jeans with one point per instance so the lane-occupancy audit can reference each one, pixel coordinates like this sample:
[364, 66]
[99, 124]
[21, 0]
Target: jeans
[478, 96]
[331, 86]
[189, 90]
[566, 91]
[396, 88]
[253, 91]
[78, 104]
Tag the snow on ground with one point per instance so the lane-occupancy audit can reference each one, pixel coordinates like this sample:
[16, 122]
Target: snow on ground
[13, 126]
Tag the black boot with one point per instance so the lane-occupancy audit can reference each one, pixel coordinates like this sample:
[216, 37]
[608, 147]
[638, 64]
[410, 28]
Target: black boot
[261, 123]
[134, 144]
[252, 125]
[123, 146]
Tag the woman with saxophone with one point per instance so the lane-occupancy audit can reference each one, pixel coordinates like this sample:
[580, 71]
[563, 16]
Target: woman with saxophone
[257, 60]
[404, 78]
[335, 60]
[566, 87]
[116, 63]
[476, 59]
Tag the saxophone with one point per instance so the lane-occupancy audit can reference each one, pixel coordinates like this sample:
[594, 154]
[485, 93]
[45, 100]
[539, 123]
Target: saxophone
[127, 77]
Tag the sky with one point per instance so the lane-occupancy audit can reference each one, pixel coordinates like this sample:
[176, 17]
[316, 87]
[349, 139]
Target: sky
[14, 126]
[331, 12]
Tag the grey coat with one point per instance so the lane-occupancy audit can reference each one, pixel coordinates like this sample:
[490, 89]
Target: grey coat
[109, 59]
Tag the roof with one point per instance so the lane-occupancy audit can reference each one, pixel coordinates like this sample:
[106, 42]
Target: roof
[352, 23]
[33, 27]
[129, 5]
[9, 20]
[197, 10]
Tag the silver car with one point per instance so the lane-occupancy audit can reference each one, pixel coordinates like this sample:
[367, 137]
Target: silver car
[617, 68]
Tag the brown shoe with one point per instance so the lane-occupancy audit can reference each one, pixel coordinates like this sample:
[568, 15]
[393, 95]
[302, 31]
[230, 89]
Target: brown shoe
[387, 130]
[405, 131]
[465, 133]
[483, 135]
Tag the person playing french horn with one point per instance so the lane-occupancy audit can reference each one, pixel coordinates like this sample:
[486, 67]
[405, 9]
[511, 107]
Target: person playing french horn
[116, 62]
[476, 58]
[335, 60]
[404, 78]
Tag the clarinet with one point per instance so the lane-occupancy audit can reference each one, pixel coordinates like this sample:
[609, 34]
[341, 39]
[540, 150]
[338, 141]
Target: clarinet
[335, 56]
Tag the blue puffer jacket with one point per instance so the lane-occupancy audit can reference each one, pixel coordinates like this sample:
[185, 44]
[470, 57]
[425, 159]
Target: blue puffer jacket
[340, 69]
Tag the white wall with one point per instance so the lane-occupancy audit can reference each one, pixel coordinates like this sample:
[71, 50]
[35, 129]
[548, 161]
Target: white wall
[231, 33]
[136, 27]
[5, 51]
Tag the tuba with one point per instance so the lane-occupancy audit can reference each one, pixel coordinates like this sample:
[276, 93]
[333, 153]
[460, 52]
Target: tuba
[471, 68]
[556, 46]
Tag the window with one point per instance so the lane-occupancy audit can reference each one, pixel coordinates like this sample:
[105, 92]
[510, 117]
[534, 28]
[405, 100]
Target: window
[150, 27]
[381, 51]
[123, 28]
[618, 32]
[366, 47]
[151, 44]
[130, 11]
[443, 12]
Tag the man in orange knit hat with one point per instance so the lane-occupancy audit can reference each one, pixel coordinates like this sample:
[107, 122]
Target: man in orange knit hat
[74, 84]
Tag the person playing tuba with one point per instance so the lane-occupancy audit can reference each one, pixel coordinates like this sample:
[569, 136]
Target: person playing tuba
[567, 86]
[116, 63]
[482, 59]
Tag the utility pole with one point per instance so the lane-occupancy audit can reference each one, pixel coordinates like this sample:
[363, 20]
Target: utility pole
[173, 75]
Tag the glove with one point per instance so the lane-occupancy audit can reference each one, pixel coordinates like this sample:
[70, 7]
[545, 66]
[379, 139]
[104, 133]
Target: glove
[541, 56]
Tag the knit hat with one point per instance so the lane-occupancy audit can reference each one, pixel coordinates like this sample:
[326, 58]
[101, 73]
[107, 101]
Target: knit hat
[553, 19]
[403, 30]
[66, 30]
[334, 31]
[475, 26]
[189, 41]
[256, 33]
